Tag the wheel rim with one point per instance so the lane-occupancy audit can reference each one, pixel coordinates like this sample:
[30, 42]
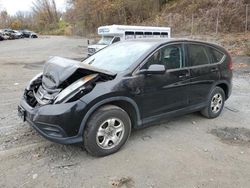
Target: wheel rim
[110, 133]
[216, 103]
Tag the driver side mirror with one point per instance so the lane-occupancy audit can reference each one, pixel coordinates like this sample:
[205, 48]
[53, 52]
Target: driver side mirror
[154, 69]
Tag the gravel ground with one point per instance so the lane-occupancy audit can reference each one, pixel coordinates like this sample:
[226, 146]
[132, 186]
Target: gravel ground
[188, 151]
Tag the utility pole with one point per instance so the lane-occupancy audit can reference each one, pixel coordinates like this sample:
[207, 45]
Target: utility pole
[192, 25]
[246, 26]
[217, 21]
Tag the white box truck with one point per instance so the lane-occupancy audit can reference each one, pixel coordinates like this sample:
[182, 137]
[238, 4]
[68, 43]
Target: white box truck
[115, 33]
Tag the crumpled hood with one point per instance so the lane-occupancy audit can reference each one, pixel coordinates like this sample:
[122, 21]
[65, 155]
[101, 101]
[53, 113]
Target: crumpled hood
[58, 69]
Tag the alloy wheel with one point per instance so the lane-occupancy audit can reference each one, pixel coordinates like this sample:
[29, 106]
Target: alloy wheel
[216, 103]
[110, 133]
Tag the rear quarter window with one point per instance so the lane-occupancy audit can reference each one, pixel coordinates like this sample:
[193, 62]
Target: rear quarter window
[217, 56]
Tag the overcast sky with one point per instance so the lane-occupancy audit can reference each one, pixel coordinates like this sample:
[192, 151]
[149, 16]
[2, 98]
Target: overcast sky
[13, 6]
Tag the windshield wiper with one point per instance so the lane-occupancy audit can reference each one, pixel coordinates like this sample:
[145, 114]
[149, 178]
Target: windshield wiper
[91, 61]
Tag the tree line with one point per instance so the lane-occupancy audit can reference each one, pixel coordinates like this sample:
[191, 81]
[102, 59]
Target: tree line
[82, 17]
[86, 15]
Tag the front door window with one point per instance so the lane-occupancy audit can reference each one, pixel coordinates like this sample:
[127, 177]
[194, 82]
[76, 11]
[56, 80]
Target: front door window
[170, 56]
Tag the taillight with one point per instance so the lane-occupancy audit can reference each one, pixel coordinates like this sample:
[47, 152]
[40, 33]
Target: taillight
[230, 63]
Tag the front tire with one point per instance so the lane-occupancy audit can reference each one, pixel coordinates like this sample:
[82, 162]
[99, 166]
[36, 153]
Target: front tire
[215, 103]
[107, 131]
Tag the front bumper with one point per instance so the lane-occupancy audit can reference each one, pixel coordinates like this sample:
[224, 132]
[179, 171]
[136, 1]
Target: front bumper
[59, 123]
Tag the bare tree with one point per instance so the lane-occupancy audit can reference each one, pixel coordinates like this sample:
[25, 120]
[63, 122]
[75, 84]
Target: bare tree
[45, 14]
[4, 19]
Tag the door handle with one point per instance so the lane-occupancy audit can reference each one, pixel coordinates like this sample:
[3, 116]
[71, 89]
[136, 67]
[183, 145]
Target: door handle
[184, 75]
[214, 69]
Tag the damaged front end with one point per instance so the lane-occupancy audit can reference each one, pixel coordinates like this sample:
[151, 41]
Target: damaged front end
[51, 100]
[63, 81]
[40, 94]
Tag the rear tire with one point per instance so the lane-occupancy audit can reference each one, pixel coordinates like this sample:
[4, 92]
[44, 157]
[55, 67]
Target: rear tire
[107, 131]
[215, 103]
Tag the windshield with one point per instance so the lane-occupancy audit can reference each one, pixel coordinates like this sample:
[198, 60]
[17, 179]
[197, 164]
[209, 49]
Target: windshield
[105, 40]
[118, 57]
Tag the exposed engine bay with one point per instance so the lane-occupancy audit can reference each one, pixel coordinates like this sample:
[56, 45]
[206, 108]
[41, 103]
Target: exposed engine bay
[63, 80]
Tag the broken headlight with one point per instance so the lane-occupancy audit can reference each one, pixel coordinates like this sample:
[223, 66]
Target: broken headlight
[75, 88]
[33, 80]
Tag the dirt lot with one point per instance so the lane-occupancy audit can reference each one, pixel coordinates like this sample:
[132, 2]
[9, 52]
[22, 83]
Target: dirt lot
[188, 151]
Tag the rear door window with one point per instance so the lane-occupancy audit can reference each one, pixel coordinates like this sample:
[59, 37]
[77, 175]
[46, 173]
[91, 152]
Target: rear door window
[197, 55]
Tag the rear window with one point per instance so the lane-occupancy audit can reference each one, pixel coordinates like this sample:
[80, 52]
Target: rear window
[216, 55]
[197, 55]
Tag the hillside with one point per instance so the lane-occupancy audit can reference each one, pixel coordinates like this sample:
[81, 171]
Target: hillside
[222, 22]
[203, 16]
[82, 17]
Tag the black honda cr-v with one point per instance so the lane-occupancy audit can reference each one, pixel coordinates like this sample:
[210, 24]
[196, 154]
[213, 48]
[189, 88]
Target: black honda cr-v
[127, 85]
